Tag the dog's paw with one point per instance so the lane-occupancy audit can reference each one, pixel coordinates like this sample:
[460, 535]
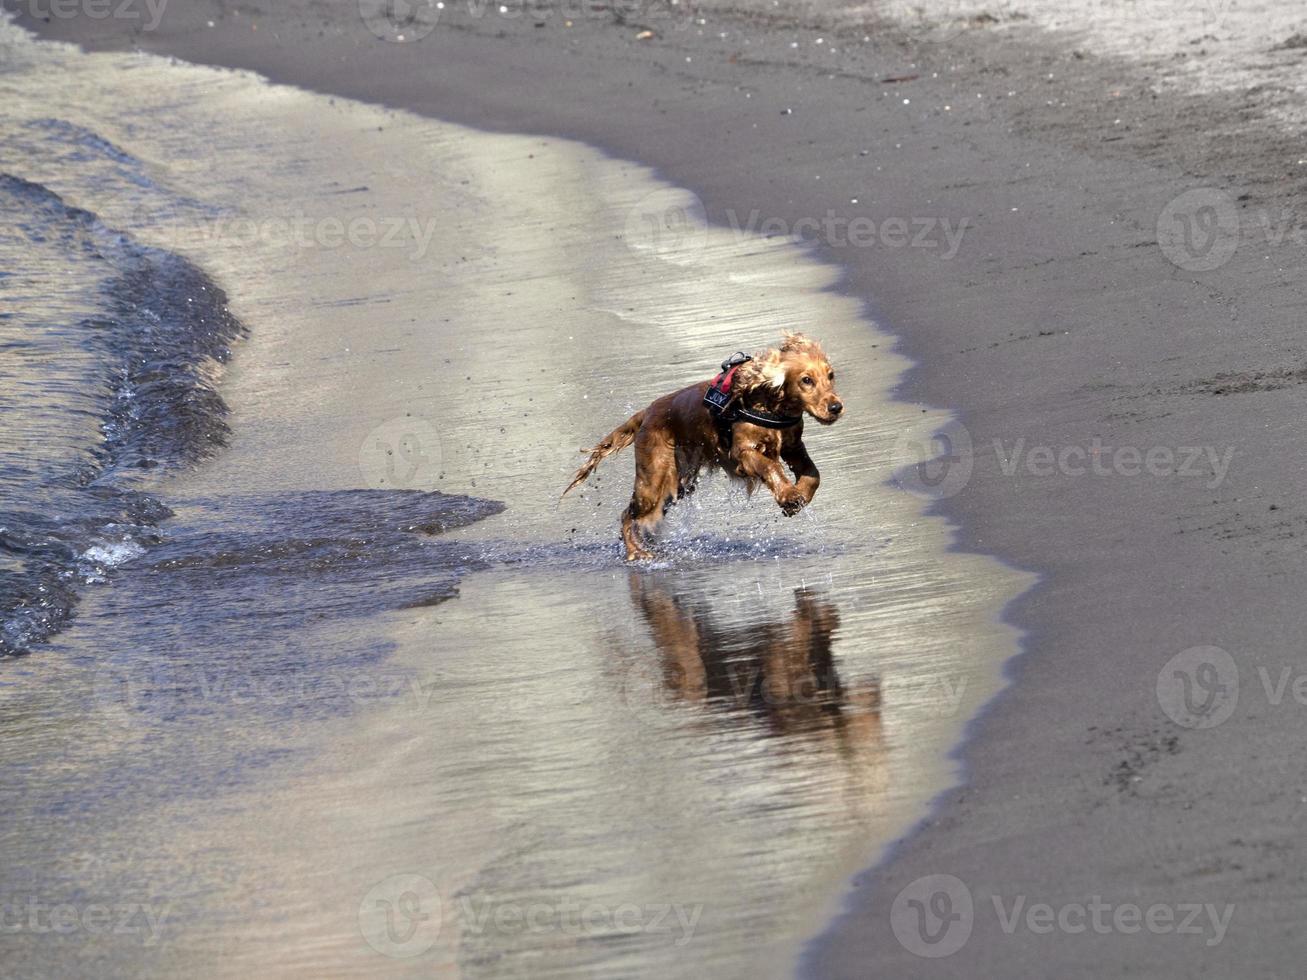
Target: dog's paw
[791, 500]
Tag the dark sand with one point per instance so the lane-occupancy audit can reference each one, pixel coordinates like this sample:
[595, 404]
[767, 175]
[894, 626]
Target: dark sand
[1059, 321]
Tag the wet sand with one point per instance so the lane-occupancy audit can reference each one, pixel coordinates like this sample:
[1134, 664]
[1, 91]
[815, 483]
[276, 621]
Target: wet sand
[1059, 321]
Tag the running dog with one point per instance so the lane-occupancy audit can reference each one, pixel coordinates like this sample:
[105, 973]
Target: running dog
[746, 420]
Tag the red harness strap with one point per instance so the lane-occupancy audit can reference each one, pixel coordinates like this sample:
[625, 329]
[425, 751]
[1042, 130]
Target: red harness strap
[718, 395]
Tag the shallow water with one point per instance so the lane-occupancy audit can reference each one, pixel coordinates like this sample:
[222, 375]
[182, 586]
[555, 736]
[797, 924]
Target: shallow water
[373, 699]
[104, 385]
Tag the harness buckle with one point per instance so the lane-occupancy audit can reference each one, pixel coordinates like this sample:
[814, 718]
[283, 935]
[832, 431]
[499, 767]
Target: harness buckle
[735, 360]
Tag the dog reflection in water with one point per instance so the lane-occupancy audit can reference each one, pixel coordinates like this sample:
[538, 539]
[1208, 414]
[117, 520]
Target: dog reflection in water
[782, 672]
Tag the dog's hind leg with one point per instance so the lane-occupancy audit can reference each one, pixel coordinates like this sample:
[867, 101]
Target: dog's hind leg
[655, 490]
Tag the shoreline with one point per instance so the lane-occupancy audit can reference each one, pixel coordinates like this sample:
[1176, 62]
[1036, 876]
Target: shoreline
[767, 721]
[1075, 776]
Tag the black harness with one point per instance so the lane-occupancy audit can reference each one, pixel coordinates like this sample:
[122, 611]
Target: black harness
[726, 411]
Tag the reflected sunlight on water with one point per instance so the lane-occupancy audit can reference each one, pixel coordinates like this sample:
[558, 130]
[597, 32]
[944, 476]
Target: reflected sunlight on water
[585, 769]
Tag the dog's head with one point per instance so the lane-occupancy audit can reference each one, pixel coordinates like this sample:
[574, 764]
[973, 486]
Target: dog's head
[795, 377]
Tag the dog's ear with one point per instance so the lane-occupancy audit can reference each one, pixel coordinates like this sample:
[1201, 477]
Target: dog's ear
[798, 343]
[766, 370]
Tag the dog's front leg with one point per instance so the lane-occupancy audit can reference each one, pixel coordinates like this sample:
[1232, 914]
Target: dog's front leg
[806, 477]
[755, 464]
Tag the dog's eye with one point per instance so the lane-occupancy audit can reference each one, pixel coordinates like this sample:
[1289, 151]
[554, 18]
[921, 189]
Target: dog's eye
[831, 376]
[807, 381]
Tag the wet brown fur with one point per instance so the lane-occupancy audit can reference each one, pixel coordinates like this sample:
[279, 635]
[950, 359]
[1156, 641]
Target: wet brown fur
[676, 437]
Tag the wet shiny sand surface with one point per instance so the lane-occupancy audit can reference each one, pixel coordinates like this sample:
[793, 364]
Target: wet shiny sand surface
[337, 722]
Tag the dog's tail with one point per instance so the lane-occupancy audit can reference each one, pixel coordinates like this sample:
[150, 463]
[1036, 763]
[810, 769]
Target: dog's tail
[615, 441]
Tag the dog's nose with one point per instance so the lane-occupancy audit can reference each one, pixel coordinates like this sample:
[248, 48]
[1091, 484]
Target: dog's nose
[836, 408]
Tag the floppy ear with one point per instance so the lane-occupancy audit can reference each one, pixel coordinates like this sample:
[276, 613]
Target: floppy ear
[774, 375]
[765, 370]
[800, 343]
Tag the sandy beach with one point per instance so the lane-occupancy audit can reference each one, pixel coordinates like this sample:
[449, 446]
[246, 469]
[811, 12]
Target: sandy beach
[1089, 258]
